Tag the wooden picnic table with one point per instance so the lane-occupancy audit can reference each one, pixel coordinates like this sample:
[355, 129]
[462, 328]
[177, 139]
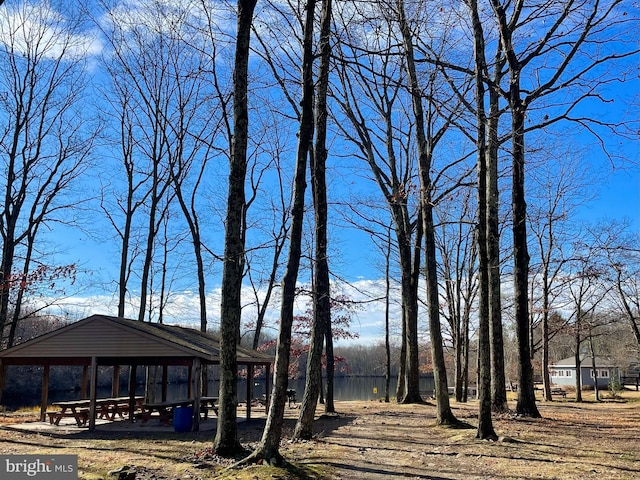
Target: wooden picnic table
[78, 409]
[106, 408]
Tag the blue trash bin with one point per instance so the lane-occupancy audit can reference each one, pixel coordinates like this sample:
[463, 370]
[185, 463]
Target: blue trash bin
[182, 419]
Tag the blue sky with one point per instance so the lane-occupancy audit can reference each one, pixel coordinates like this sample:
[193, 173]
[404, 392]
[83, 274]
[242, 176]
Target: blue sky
[619, 196]
[356, 259]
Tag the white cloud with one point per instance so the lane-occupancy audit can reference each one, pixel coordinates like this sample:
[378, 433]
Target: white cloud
[40, 31]
[183, 308]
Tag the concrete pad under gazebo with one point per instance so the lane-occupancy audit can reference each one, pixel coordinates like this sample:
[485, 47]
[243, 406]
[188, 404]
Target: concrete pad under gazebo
[101, 340]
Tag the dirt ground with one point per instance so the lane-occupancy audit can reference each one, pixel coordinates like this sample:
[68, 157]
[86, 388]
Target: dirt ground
[375, 441]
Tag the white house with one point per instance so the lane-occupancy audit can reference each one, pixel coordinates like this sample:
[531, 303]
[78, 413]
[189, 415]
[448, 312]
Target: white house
[563, 372]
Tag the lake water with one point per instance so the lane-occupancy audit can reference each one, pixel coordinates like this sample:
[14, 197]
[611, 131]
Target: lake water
[345, 388]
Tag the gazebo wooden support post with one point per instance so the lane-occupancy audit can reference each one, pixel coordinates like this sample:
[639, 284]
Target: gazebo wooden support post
[190, 381]
[205, 380]
[132, 392]
[250, 369]
[165, 381]
[115, 382]
[197, 365]
[44, 398]
[85, 379]
[93, 390]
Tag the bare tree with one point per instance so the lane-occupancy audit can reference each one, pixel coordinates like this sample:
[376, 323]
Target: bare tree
[586, 290]
[158, 108]
[371, 88]
[268, 448]
[425, 145]
[578, 30]
[265, 281]
[321, 291]
[226, 441]
[457, 247]
[194, 132]
[558, 188]
[44, 140]
[620, 245]
[485, 423]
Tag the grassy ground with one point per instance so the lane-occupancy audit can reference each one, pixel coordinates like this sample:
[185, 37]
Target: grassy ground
[374, 440]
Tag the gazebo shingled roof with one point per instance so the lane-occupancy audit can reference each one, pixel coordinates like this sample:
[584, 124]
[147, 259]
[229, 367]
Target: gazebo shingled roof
[114, 339]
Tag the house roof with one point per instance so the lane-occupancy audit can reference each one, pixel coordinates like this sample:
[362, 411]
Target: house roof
[585, 362]
[115, 340]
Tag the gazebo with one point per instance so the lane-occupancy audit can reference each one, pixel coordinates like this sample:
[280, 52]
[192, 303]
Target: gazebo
[101, 340]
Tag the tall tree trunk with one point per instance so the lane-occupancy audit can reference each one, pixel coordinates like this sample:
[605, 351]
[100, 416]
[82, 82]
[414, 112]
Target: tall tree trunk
[17, 309]
[409, 386]
[321, 294]
[596, 389]
[6, 264]
[226, 442]
[329, 406]
[526, 405]
[465, 368]
[262, 311]
[412, 394]
[131, 206]
[402, 367]
[387, 306]
[526, 395]
[485, 423]
[546, 383]
[156, 194]
[194, 228]
[268, 449]
[444, 413]
[498, 377]
[578, 362]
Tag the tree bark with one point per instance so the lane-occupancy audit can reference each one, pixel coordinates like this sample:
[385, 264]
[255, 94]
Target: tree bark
[526, 405]
[578, 361]
[394, 178]
[498, 377]
[268, 448]
[321, 295]
[387, 343]
[485, 423]
[596, 389]
[444, 413]
[226, 441]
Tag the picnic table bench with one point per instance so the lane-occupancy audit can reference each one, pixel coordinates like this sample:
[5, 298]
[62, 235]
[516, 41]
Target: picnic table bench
[559, 391]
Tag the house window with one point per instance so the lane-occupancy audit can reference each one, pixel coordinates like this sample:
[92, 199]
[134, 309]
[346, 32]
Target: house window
[553, 373]
[604, 373]
[560, 373]
[568, 373]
